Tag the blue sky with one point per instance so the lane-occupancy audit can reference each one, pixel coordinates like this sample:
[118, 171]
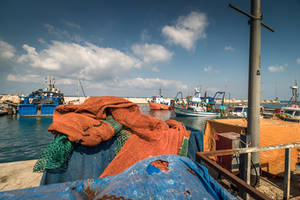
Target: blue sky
[133, 48]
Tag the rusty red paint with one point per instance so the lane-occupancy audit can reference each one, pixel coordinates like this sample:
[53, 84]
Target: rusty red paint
[160, 164]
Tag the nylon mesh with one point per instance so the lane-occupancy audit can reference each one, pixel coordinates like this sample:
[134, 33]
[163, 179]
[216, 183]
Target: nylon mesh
[56, 154]
[122, 137]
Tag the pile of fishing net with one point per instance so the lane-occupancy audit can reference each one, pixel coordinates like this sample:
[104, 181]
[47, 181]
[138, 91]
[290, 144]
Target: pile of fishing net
[99, 119]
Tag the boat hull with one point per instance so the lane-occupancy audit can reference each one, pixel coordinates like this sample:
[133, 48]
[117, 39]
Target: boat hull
[185, 112]
[158, 106]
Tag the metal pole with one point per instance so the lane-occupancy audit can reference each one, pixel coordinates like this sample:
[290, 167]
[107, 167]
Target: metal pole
[254, 95]
[287, 174]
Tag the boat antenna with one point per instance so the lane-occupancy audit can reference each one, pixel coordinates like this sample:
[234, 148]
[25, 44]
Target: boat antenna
[254, 96]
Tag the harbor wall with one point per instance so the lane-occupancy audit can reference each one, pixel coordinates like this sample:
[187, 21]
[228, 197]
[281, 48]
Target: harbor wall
[15, 98]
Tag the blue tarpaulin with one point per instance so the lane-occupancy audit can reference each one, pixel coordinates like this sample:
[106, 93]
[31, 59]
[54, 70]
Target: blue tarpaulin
[89, 162]
[183, 179]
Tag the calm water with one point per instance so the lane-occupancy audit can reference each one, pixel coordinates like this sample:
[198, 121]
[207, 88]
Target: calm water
[25, 138]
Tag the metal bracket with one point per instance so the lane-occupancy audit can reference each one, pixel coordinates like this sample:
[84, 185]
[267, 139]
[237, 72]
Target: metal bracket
[252, 17]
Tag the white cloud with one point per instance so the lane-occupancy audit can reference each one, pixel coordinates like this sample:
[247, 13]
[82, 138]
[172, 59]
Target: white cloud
[276, 68]
[208, 68]
[211, 69]
[153, 83]
[42, 41]
[187, 30]
[145, 36]
[87, 61]
[71, 24]
[155, 69]
[6, 50]
[152, 52]
[62, 34]
[26, 78]
[298, 60]
[229, 48]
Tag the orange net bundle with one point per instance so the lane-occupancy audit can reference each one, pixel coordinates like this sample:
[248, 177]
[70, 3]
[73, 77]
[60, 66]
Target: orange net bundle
[85, 124]
[272, 132]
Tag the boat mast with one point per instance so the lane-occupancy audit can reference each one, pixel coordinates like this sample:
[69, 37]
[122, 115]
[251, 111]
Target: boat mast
[254, 89]
[294, 98]
[276, 96]
[159, 92]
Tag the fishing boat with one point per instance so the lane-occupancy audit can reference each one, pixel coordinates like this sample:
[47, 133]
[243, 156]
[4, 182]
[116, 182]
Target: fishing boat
[41, 103]
[291, 112]
[240, 111]
[3, 111]
[198, 106]
[159, 102]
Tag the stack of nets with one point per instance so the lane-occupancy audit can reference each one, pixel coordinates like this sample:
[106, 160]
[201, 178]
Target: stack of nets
[60, 149]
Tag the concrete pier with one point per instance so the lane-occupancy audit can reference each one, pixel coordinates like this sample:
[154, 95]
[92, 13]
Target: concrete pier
[18, 175]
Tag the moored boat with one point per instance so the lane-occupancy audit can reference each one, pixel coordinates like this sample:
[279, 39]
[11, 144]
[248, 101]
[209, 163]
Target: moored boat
[159, 102]
[194, 112]
[240, 111]
[198, 106]
[291, 112]
[41, 103]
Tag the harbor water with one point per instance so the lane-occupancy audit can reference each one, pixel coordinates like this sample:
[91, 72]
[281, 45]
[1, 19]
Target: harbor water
[24, 138]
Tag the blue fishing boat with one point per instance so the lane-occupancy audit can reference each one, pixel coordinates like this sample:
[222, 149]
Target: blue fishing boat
[41, 103]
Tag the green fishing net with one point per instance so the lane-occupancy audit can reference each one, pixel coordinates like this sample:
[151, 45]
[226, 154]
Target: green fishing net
[55, 154]
[122, 137]
[184, 147]
[122, 133]
[115, 124]
[59, 150]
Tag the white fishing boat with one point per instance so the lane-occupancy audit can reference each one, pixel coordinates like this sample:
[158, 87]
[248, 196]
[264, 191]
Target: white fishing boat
[291, 112]
[239, 111]
[198, 106]
[194, 112]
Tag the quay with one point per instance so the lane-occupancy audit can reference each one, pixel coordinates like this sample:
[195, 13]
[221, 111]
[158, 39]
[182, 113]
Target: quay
[14, 99]
[18, 175]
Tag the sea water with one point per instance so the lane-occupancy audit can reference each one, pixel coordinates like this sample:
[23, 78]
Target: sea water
[24, 138]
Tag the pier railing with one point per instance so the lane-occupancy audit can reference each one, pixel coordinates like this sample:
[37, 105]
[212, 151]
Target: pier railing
[245, 186]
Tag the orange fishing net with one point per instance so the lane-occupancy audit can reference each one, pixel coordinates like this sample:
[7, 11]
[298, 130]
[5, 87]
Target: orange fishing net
[150, 136]
[272, 132]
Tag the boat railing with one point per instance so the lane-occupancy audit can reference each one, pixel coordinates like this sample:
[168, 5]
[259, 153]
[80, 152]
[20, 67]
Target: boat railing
[245, 186]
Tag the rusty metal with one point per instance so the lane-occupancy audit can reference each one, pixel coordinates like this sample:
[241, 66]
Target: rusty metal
[112, 197]
[201, 156]
[287, 174]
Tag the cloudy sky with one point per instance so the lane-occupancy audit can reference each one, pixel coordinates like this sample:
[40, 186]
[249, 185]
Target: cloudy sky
[133, 48]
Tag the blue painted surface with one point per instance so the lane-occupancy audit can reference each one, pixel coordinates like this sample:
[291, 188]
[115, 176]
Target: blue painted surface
[44, 101]
[47, 109]
[27, 109]
[184, 179]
